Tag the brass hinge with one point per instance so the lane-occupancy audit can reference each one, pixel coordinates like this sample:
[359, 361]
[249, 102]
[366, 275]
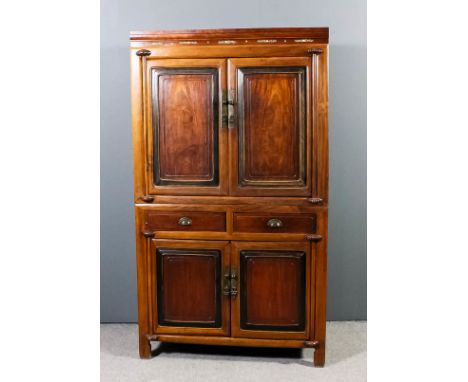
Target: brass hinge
[228, 108]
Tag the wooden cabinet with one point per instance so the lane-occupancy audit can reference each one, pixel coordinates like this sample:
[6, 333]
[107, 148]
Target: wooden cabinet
[230, 134]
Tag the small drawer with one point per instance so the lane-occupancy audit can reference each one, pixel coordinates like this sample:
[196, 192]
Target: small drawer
[185, 221]
[285, 223]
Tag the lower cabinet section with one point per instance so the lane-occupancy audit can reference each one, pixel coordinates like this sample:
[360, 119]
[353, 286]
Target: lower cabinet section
[238, 289]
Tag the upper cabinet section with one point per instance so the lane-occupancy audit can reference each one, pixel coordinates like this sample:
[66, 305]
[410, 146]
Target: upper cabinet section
[235, 112]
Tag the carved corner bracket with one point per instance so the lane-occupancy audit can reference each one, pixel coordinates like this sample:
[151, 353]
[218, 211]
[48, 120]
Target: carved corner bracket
[148, 234]
[315, 51]
[313, 237]
[143, 53]
[312, 344]
[147, 198]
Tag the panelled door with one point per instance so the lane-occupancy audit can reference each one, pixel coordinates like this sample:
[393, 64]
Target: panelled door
[271, 135]
[188, 288]
[187, 148]
[273, 298]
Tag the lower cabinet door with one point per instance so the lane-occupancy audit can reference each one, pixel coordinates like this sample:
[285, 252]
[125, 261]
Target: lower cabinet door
[272, 281]
[187, 287]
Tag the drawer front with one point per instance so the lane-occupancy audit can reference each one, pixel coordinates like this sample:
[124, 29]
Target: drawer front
[185, 221]
[270, 223]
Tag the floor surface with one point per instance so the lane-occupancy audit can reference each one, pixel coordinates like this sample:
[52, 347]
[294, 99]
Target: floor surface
[346, 359]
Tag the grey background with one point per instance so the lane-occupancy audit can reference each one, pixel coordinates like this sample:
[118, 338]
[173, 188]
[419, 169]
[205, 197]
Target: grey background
[347, 223]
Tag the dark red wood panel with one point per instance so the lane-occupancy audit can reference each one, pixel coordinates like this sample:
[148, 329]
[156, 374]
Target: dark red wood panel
[188, 288]
[273, 290]
[185, 107]
[272, 126]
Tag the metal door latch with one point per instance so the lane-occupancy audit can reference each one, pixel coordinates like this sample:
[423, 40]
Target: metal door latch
[230, 282]
[228, 108]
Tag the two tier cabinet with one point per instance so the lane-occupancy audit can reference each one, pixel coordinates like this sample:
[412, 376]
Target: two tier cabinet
[230, 135]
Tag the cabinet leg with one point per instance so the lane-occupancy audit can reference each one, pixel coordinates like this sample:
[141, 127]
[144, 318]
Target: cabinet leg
[145, 347]
[319, 355]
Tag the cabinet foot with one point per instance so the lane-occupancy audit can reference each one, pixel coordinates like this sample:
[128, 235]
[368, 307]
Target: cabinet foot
[319, 355]
[145, 347]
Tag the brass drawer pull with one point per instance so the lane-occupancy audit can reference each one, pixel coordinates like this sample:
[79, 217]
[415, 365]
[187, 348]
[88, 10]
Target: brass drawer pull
[274, 223]
[185, 221]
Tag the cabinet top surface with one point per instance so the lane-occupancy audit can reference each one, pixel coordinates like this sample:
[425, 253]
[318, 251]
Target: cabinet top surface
[315, 34]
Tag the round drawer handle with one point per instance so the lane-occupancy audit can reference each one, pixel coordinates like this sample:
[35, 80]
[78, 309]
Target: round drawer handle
[185, 221]
[274, 223]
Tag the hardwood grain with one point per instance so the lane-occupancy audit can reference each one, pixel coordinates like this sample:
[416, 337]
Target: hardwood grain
[185, 104]
[277, 286]
[232, 341]
[270, 149]
[235, 34]
[244, 222]
[269, 126]
[186, 150]
[188, 290]
[186, 284]
[171, 221]
[273, 290]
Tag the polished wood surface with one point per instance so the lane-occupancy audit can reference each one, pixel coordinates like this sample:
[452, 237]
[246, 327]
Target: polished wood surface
[234, 34]
[192, 301]
[290, 223]
[188, 291]
[230, 135]
[185, 148]
[232, 341]
[173, 221]
[273, 290]
[269, 148]
[269, 125]
[185, 118]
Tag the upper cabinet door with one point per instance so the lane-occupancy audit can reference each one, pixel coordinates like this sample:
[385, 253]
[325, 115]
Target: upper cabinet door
[270, 138]
[187, 147]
